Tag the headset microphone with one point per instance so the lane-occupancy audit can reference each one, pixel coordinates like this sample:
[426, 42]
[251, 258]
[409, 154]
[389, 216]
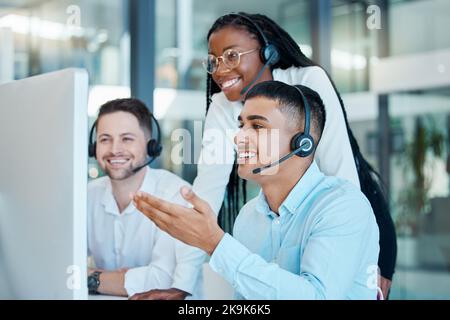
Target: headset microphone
[244, 91]
[302, 143]
[269, 52]
[306, 144]
[154, 146]
[149, 162]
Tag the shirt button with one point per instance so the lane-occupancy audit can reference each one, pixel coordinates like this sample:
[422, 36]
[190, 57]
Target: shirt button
[277, 221]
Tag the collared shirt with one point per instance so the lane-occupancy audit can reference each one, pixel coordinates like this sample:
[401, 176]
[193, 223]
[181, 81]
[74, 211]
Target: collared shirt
[218, 153]
[322, 245]
[131, 240]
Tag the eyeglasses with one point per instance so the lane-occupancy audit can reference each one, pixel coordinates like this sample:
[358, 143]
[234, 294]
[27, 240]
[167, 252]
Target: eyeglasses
[230, 58]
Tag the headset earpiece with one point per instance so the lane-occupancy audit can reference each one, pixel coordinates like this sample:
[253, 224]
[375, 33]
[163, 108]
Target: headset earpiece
[154, 148]
[305, 141]
[92, 150]
[92, 147]
[270, 54]
[302, 144]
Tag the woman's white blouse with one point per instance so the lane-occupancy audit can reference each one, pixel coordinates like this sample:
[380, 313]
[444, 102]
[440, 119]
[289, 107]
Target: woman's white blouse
[333, 155]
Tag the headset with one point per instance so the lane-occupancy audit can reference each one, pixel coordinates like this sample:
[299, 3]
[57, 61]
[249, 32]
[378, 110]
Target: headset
[302, 144]
[303, 140]
[269, 53]
[154, 146]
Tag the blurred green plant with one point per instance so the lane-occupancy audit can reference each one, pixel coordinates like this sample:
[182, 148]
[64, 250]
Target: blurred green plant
[418, 161]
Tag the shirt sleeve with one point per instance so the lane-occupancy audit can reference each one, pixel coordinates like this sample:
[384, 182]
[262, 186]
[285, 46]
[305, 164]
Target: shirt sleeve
[158, 274]
[216, 156]
[189, 262]
[189, 267]
[329, 263]
[334, 154]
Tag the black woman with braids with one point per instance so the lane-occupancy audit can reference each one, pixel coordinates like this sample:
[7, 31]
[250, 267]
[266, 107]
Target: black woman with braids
[246, 49]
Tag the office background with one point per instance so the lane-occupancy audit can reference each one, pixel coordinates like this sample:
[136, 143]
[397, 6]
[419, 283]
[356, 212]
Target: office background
[393, 72]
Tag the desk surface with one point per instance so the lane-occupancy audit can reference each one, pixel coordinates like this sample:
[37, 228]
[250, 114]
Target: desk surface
[105, 297]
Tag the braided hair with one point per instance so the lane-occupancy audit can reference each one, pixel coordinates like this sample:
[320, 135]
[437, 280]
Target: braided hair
[370, 181]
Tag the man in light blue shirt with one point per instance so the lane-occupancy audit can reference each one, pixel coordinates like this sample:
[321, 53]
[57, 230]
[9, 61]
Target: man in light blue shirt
[322, 245]
[306, 236]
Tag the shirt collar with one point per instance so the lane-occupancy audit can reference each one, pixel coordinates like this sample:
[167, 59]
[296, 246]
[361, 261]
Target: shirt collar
[261, 204]
[110, 204]
[298, 194]
[302, 189]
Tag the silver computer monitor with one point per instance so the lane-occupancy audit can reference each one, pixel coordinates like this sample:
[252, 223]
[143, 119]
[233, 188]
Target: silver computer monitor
[43, 178]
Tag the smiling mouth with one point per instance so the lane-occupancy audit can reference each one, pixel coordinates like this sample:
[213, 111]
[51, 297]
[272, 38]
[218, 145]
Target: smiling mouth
[246, 155]
[117, 162]
[230, 83]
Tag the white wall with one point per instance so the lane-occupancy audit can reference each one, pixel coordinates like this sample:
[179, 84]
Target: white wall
[363, 106]
[419, 26]
[418, 71]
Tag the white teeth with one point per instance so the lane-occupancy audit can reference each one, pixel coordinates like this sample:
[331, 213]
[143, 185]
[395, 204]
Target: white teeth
[229, 83]
[247, 155]
[117, 161]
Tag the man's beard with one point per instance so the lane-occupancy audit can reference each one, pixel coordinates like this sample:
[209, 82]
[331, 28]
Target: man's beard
[121, 174]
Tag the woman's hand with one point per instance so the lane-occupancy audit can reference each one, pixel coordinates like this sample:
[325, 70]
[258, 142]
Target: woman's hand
[195, 226]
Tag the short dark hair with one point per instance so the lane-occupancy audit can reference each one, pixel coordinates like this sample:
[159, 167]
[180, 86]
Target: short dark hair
[370, 180]
[291, 103]
[131, 105]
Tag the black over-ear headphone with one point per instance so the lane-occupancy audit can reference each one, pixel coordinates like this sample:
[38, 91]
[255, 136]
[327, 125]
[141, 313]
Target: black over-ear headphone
[303, 140]
[154, 146]
[302, 144]
[269, 52]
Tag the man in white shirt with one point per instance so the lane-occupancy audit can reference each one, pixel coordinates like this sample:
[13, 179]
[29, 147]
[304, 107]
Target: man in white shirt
[131, 253]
